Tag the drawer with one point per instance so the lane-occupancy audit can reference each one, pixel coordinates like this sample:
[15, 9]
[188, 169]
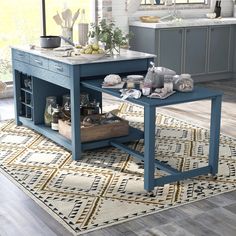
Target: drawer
[59, 68]
[21, 56]
[39, 61]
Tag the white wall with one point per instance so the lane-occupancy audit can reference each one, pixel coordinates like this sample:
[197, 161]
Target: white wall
[121, 17]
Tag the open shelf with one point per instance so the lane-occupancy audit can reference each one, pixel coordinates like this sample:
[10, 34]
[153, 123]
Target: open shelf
[134, 134]
[47, 132]
[28, 105]
[26, 90]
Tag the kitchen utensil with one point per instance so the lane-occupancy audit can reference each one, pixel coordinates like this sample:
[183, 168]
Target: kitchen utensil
[58, 19]
[75, 17]
[69, 17]
[64, 17]
[67, 40]
[50, 41]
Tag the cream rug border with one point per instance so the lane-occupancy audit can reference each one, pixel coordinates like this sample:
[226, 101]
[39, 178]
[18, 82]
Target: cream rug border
[57, 218]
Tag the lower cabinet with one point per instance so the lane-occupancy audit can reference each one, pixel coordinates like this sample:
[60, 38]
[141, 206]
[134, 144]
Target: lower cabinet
[195, 54]
[219, 49]
[170, 48]
[197, 50]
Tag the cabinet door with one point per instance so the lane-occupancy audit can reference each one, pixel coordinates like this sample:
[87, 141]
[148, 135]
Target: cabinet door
[195, 60]
[219, 48]
[170, 49]
[143, 39]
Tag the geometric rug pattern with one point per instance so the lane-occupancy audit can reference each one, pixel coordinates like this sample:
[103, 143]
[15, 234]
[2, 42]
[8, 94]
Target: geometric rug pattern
[106, 186]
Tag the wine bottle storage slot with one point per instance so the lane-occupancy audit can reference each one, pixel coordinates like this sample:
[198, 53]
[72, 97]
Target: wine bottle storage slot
[26, 101]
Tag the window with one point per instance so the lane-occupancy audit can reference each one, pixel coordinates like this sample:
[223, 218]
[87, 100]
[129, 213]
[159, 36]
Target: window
[148, 2]
[54, 6]
[20, 24]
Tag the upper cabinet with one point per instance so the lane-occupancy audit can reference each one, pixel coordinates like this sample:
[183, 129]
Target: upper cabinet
[197, 50]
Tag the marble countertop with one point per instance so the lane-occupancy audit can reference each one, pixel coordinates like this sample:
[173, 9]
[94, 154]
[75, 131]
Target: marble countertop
[78, 60]
[186, 22]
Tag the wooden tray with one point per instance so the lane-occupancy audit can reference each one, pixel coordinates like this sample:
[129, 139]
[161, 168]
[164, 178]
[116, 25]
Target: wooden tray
[96, 132]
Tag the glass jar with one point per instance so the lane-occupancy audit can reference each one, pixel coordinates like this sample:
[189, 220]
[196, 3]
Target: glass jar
[67, 32]
[50, 104]
[183, 83]
[84, 99]
[66, 107]
[55, 118]
[168, 83]
[66, 101]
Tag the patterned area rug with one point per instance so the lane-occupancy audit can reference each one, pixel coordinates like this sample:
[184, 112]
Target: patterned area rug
[106, 187]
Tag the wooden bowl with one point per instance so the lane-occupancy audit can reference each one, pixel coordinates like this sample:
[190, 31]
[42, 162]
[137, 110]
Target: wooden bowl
[149, 19]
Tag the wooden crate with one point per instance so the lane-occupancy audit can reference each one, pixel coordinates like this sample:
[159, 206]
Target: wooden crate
[96, 132]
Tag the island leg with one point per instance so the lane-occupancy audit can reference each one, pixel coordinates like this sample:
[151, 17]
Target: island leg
[149, 147]
[215, 134]
[75, 114]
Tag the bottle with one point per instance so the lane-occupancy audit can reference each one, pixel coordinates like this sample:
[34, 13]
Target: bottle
[55, 118]
[217, 10]
[50, 104]
[83, 27]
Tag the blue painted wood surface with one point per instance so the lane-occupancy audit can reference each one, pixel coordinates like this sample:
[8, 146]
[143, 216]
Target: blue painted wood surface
[56, 78]
[148, 156]
[199, 93]
[62, 79]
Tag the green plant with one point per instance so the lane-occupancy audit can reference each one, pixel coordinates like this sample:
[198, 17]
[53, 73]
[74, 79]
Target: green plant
[110, 35]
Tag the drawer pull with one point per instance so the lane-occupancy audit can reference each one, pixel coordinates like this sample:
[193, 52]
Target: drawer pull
[38, 61]
[60, 68]
[20, 54]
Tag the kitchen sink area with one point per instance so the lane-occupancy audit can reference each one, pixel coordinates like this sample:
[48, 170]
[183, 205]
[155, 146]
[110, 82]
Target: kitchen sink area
[183, 22]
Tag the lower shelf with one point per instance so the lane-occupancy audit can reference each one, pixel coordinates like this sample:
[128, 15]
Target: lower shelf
[134, 134]
[47, 132]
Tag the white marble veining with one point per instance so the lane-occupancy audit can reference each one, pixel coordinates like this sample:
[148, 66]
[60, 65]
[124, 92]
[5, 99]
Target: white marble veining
[78, 60]
[186, 22]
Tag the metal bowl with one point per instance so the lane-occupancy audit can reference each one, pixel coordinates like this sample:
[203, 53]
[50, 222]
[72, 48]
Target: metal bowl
[50, 41]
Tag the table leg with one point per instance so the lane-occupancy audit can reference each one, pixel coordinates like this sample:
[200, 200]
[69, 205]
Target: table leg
[215, 134]
[75, 115]
[149, 147]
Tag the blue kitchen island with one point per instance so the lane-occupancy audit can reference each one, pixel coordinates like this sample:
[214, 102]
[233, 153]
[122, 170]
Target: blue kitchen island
[51, 75]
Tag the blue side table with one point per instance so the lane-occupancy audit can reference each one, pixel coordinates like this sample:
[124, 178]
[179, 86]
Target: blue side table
[150, 105]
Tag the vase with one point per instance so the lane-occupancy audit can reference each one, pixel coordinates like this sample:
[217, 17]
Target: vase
[113, 50]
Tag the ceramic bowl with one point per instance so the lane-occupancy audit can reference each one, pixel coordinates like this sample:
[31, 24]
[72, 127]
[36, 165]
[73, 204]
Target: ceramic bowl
[92, 57]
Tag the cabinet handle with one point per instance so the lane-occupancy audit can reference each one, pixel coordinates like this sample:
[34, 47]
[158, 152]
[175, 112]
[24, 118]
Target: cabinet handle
[180, 31]
[212, 29]
[188, 30]
[38, 61]
[60, 68]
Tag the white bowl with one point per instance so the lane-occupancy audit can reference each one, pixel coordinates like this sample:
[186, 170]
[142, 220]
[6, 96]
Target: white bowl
[92, 57]
[211, 15]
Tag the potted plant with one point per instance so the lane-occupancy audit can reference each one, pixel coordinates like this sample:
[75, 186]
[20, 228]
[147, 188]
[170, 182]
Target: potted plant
[111, 36]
